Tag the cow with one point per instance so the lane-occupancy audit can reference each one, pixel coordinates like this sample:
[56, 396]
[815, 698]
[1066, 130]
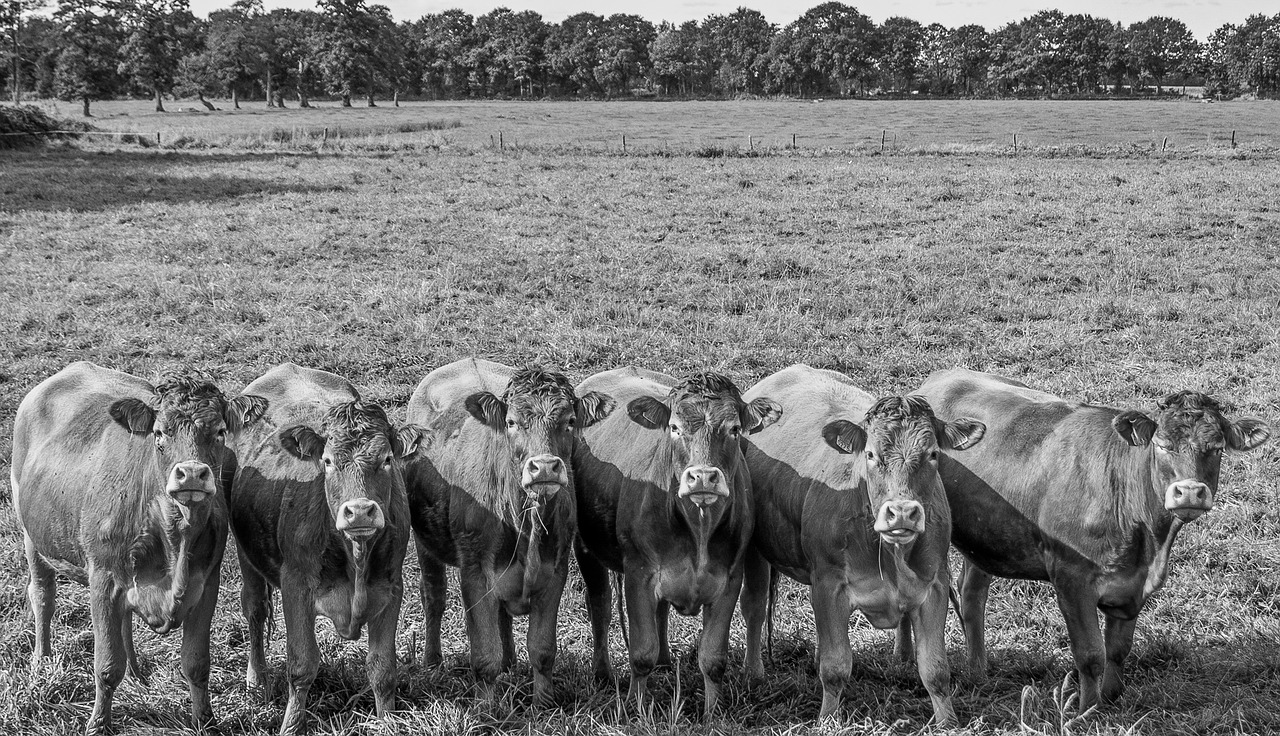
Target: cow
[1085, 497]
[121, 485]
[855, 510]
[319, 512]
[664, 498]
[492, 493]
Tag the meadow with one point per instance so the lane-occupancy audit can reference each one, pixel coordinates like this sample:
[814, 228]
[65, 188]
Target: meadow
[1110, 278]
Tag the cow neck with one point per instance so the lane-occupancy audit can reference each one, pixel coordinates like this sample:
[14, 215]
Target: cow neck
[533, 555]
[171, 524]
[701, 522]
[358, 553]
[1159, 570]
[909, 584]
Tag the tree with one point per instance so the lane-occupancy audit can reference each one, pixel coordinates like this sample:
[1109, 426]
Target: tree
[573, 52]
[740, 41]
[12, 13]
[837, 43]
[158, 34]
[87, 65]
[1084, 50]
[444, 43]
[901, 43]
[509, 56]
[234, 47]
[347, 46]
[674, 57]
[623, 52]
[968, 54]
[1160, 46]
[1116, 55]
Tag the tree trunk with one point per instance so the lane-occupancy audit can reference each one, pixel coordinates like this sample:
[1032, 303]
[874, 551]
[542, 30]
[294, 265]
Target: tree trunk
[159, 101]
[85, 100]
[271, 100]
[371, 103]
[207, 104]
[395, 98]
[346, 99]
[15, 80]
[235, 98]
[302, 99]
[280, 99]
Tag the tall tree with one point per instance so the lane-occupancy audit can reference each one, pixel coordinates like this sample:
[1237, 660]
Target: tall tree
[510, 55]
[234, 46]
[158, 34]
[12, 15]
[901, 43]
[741, 45]
[838, 44]
[347, 47]
[444, 45]
[623, 52]
[87, 64]
[674, 56]
[573, 52]
[968, 56]
[1160, 46]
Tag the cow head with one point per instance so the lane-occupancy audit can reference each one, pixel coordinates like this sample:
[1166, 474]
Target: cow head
[539, 417]
[898, 441]
[361, 454]
[705, 417]
[191, 422]
[1187, 436]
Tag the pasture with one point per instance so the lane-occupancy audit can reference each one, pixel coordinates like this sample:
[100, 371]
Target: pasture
[1104, 279]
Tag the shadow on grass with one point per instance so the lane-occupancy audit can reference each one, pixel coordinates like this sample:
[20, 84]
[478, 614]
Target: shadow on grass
[73, 180]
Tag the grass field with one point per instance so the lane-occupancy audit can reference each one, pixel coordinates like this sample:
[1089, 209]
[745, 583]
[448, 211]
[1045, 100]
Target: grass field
[929, 125]
[1110, 280]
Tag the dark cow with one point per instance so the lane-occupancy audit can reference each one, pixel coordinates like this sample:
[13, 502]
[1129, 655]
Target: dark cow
[121, 485]
[1086, 497]
[319, 511]
[664, 498]
[861, 517]
[492, 494]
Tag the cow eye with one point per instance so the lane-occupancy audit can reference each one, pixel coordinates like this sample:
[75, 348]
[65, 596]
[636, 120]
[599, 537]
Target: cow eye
[386, 462]
[511, 424]
[675, 430]
[222, 435]
[572, 422]
[871, 456]
[735, 430]
[933, 455]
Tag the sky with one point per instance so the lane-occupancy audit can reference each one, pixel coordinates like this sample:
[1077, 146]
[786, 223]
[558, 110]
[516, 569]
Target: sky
[1201, 16]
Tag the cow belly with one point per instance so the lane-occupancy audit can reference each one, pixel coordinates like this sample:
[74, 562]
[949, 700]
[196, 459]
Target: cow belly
[155, 604]
[688, 589]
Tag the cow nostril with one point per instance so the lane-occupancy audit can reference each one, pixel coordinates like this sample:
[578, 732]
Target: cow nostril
[554, 465]
[914, 513]
[204, 474]
[713, 477]
[179, 473]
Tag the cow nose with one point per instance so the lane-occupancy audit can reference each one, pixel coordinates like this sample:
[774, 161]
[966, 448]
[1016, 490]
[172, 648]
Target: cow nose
[1188, 499]
[190, 482]
[360, 517]
[705, 483]
[542, 472]
[900, 521]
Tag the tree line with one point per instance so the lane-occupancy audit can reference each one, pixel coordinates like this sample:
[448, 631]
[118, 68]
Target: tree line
[101, 49]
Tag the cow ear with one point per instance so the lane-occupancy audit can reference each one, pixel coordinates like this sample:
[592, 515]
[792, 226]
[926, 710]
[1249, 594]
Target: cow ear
[302, 442]
[845, 437]
[1135, 427]
[487, 409]
[649, 412]
[593, 407]
[961, 434]
[134, 415]
[243, 411]
[410, 438]
[760, 413]
[1248, 433]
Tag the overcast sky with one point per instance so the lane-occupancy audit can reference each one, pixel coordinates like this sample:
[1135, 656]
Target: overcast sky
[1201, 16]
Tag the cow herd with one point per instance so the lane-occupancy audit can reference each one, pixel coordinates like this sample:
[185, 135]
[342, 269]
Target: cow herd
[693, 493]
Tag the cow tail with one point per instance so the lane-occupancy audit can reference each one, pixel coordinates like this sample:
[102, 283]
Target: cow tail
[622, 613]
[772, 605]
[955, 603]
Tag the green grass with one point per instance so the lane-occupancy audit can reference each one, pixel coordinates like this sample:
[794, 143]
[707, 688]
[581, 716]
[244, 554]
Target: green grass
[1106, 280]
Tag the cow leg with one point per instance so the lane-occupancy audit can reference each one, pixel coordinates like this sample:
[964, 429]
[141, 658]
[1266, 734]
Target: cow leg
[975, 584]
[831, 612]
[642, 615]
[664, 639]
[713, 646]
[929, 622]
[434, 593]
[1079, 609]
[483, 625]
[755, 608]
[131, 654]
[599, 605]
[903, 647]
[40, 593]
[381, 658]
[1119, 641]
[302, 653]
[106, 608]
[508, 643]
[196, 632]
[541, 641]
[255, 606]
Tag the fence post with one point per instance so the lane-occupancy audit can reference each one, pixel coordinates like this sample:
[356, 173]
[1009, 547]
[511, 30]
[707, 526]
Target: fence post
[157, 137]
[793, 141]
[325, 139]
[624, 142]
[502, 146]
[883, 133]
[1233, 139]
[1015, 142]
[1164, 144]
[751, 142]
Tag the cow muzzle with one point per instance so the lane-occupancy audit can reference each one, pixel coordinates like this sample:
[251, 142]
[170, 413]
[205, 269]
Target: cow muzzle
[190, 482]
[360, 519]
[543, 476]
[1188, 499]
[703, 484]
[900, 522]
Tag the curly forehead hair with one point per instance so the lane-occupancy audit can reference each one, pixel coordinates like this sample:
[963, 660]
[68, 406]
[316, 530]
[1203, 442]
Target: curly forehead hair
[536, 383]
[893, 408]
[1190, 402]
[190, 393]
[706, 386]
[352, 420]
